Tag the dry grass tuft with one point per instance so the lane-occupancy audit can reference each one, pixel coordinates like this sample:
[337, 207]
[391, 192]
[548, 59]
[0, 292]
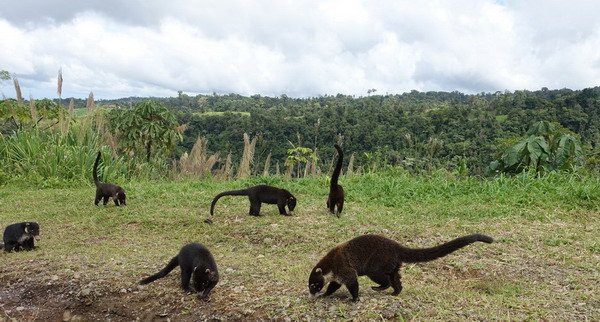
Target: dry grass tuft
[72, 108]
[59, 87]
[245, 170]
[18, 90]
[226, 171]
[350, 169]
[90, 102]
[32, 109]
[198, 163]
[267, 166]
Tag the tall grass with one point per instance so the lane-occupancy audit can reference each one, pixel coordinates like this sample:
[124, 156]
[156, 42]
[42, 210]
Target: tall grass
[65, 154]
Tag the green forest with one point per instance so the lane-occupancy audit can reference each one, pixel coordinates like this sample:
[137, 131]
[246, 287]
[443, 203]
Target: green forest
[481, 134]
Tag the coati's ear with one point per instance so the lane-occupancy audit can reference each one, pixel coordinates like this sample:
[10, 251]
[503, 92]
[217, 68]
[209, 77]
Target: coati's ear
[207, 271]
[194, 271]
[319, 271]
[27, 228]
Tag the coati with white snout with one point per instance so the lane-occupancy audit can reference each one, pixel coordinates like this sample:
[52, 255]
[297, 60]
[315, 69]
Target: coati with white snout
[377, 257]
[336, 192]
[259, 194]
[196, 263]
[107, 190]
[20, 236]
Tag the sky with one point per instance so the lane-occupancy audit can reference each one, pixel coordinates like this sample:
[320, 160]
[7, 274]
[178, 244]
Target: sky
[117, 48]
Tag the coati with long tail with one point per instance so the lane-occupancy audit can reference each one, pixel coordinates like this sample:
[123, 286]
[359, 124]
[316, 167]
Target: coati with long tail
[20, 236]
[377, 257]
[259, 194]
[196, 263]
[336, 192]
[107, 190]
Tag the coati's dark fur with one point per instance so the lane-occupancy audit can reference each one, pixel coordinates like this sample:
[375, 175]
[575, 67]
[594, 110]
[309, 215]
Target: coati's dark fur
[196, 263]
[20, 236]
[336, 192]
[259, 194]
[377, 257]
[107, 190]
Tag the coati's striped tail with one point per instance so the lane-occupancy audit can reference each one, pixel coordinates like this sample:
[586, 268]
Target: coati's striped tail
[243, 192]
[171, 266]
[412, 255]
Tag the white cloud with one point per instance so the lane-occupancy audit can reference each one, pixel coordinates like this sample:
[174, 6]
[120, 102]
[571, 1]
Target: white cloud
[298, 48]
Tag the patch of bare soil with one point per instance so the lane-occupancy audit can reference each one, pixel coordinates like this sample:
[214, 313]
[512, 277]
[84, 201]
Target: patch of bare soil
[39, 296]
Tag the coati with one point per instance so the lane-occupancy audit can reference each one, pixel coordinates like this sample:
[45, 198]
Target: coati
[336, 192]
[377, 257]
[107, 190]
[197, 263]
[20, 236]
[259, 194]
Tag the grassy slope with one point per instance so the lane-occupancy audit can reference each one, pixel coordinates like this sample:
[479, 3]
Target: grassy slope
[543, 266]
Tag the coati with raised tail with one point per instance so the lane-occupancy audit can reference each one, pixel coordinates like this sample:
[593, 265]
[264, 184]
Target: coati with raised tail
[20, 236]
[259, 194]
[336, 192]
[196, 263]
[107, 190]
[377, 257]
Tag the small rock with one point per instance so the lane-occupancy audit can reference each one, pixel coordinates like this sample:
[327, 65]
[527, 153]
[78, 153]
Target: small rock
[267, 240]
[238, 288]
[54, 277]
[229, 270]
[77, 275]
[260, 256]
[20, 308]
[123, 290]
[77, 318]
[67, 316]
[86, 292]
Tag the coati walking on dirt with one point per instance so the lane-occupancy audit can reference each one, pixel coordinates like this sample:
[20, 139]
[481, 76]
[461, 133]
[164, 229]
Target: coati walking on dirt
[377, 257]
[259, 194]
[107, 190]
[20, 236]
[196, 263]
[336, 192]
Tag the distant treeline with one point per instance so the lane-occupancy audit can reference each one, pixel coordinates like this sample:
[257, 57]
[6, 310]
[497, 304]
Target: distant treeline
[418, 130]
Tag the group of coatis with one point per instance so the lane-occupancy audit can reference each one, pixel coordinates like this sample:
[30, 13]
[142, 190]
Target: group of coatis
[375, 256]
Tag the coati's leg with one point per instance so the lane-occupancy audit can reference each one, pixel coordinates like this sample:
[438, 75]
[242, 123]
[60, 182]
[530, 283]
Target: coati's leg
[331, 206]
[28, 244]
[116, 199]
[186, 275]
[396, 283]
[332, 287]
[98, 197]
[9, 247]
[105, 200]
[281, 206]
[255, 207]
[382, 280]
[352, 287]
[340, 206]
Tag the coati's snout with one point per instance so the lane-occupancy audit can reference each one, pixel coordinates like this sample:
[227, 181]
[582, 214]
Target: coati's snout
[205, 281]
[33, 229]
[122, 198]
[316, 281]
[291, 203]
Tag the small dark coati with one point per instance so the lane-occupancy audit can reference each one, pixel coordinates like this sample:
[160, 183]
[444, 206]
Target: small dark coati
[107, 190]
[377, 257]
[20, 236]
[336, 192]
[259, 194]
[196, 263]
